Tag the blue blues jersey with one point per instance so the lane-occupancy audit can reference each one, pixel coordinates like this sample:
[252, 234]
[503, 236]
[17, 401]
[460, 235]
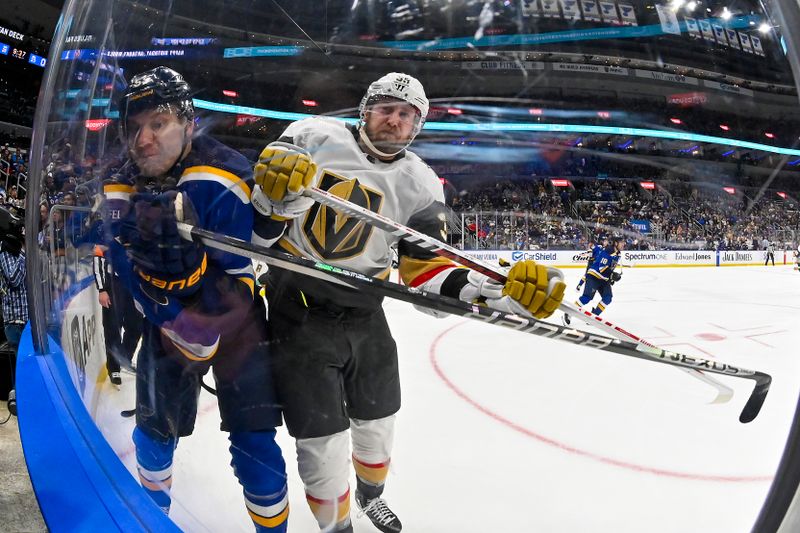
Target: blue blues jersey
[596, 249]
[605, 260]
[218, 182]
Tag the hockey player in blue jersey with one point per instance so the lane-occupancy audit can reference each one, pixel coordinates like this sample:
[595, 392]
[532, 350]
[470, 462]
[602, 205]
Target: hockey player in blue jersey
[199, 307]
[594, 249]
[601, 275]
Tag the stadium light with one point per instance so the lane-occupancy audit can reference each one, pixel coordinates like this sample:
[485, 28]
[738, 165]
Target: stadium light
[729, 190]
[726, 14]
[764, 28]
[691, 6]
[724, 127]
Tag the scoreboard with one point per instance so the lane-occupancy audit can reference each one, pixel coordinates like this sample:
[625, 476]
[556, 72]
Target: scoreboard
[21, 54]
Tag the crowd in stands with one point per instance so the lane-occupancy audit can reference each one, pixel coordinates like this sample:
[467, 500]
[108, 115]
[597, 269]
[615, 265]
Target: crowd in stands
[17, 104]
[529, 214]
[13, 177]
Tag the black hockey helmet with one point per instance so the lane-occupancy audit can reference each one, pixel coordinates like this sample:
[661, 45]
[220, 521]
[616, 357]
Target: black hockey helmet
[617, 240]
[160, 86]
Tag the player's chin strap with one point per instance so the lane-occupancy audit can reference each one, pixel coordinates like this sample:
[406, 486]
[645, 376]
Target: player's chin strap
[362, 134]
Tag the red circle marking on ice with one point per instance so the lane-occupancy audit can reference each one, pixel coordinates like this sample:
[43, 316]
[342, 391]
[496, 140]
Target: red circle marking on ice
[565, 447]
[711, 336]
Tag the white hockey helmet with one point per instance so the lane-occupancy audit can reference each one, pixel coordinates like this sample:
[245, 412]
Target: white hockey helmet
[403, 87]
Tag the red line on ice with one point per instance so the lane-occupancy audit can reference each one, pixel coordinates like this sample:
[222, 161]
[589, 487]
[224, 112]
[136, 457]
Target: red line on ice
[566, 447]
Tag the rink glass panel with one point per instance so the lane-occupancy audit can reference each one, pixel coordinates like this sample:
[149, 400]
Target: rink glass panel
[547, 120]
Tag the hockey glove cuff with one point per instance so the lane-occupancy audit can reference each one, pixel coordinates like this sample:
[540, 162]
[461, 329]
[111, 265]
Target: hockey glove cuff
[288, 209]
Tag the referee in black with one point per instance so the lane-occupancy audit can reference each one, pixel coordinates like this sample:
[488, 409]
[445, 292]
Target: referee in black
[122, 322]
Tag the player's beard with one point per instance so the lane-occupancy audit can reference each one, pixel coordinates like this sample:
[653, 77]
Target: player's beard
[386, 141]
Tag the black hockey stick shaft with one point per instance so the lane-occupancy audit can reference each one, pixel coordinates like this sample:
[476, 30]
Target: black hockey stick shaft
[378, 287]
[724, 393]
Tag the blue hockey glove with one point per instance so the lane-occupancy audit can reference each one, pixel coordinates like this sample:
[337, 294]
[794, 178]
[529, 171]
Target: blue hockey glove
[165, 260]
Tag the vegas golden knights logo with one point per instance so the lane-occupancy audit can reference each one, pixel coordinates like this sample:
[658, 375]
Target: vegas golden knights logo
[335, 235]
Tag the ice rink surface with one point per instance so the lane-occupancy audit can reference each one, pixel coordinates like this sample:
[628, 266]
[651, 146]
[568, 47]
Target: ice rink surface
[505, 432]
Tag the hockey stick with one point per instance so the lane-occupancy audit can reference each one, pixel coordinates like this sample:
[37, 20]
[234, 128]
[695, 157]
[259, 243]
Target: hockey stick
[724, 393]
[358, 281]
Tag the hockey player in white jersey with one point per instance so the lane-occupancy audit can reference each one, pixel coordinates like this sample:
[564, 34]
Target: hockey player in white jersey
[335, 360]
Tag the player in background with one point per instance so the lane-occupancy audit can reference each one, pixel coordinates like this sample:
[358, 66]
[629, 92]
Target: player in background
[601, 275]
[122, 322]
[797, 258]
[200, 311]
[770, 248]
[336, 366]
[594, 249]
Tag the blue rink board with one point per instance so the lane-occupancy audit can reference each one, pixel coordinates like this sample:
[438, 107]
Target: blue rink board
[80, 483]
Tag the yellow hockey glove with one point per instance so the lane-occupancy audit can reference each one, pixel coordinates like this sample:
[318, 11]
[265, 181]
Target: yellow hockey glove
[283, 173]
[535, 287]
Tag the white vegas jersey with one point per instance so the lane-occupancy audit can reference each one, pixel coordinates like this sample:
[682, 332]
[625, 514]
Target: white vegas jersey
[399, 190]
